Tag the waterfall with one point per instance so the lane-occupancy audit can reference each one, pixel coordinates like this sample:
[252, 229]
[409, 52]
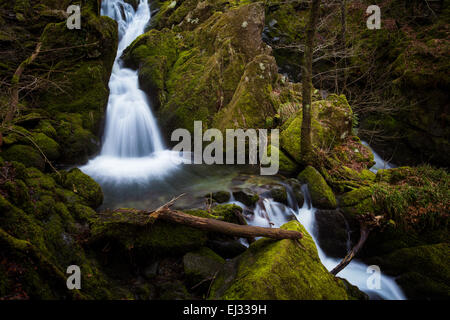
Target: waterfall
[380, 163]
[132, 149]
[268, 213]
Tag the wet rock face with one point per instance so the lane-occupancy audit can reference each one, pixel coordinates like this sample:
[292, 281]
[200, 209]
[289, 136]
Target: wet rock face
[278, 270]
[332, 232]
[246, 196]
[221, 196]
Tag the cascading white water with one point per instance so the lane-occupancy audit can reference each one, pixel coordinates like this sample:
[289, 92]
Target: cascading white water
[379, 162]
[132, 149]
[268, 213]
[356, 271]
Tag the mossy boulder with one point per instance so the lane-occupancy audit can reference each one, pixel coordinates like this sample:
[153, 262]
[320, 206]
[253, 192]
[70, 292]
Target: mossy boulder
[48, 146]
[358, 202]
[128, 230]
[297, 191]
[332, 121]
[220, 196]
[216, 70]
[278, 193]
[285, 164]
[201, 265]
[25, 154]
[84, 186]
[321, 194]
[423, 272]
[332, 233]
[278, 270]
[246, 196]
[229, 212]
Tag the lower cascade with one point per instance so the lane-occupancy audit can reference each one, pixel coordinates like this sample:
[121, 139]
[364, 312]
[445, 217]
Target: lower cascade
[269, 213]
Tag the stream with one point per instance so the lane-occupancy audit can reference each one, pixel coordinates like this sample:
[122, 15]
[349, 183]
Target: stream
[135, 170]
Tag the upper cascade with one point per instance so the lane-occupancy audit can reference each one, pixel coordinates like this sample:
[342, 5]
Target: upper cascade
[131, 130]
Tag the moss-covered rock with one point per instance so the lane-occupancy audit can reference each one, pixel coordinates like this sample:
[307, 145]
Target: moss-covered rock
[331, 124]
[246, 196]
[422, 272]
[130, 230]
[321, 194]
[278, 270]
[24, 154]
[201, 265]
[358, 202]
[220, 196]
[229, 212]
[84, 186]
[285, 164]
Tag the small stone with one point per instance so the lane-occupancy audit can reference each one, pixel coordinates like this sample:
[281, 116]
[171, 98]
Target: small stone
[244, 24]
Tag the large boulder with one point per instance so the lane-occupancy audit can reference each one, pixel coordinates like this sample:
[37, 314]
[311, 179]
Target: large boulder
[332, 233]
[282, 269]
[332, 121]
[321, 194]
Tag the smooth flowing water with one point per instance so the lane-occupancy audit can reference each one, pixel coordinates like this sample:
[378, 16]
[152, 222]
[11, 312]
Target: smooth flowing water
[269, 213]
[135, 170]
[379, 162]
[132, 149]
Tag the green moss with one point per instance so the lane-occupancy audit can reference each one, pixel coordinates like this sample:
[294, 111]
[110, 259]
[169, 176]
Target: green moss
[201, 264]
[27, 155]
[422, 272]
[47, 145]
[321, 194]
[331, 124]
[278, 270]
[228, 212]
[220, 196]
[84, 186]
[132, 231]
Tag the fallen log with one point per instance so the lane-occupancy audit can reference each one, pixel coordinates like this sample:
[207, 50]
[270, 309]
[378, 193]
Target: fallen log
[231, 229]
[213, 225]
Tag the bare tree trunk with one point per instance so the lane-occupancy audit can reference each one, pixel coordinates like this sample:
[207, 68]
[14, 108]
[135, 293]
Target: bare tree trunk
[306, 147]
[344, 39]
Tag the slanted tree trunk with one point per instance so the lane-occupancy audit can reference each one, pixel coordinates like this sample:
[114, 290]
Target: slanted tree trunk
[366, 223]
[364, 233]
[306, 147]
